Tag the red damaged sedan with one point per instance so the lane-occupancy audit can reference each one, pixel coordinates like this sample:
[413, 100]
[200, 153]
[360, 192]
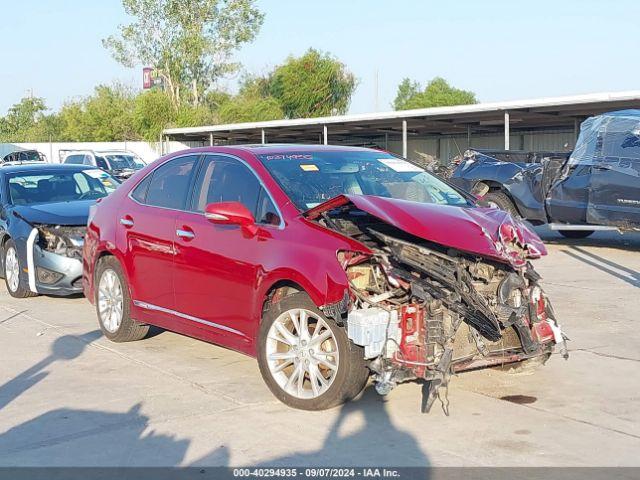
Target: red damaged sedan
[328, 264]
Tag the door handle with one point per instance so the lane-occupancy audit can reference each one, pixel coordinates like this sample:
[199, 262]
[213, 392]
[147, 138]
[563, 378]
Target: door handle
[126, 221]
[185, 234]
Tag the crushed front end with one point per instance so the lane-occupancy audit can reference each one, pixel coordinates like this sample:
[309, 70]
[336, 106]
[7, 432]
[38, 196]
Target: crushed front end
[424, 311]
[56, 266]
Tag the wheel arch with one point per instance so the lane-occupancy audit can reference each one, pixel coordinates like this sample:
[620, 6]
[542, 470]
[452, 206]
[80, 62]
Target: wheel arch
[495, 186]
[4, 238]
[291, 281]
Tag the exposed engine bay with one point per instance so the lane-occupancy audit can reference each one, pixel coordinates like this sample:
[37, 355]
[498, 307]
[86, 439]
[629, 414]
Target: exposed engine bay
[62, 240]
[425, 311]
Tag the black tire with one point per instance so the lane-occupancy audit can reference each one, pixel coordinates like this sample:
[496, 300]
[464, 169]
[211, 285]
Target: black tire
[351, 376]
[22, 290]
[502, 201]
[129, 329]
[575, 234]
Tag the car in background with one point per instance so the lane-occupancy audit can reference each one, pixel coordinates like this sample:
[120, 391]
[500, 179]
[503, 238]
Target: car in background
[595, 187]
[21, 156]
[328, 264]
[43, 216]
[120, 164]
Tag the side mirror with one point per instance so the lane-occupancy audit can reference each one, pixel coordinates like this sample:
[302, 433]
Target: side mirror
[229, 213]
[479, 190]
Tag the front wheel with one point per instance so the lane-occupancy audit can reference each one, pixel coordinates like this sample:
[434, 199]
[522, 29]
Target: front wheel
[501, 200]
[306, 359]
[12, 268]
[113, 303]
[576, 233]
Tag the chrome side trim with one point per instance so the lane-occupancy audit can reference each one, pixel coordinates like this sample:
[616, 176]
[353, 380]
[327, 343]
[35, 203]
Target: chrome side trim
[568, 226]
[156, 308]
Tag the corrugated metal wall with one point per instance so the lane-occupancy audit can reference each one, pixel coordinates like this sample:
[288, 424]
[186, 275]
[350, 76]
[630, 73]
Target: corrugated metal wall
[447, 147]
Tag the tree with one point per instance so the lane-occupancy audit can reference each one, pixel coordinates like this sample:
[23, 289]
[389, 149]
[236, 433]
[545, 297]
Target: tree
[407, 90]
[250, 109]
[312, 85]
[21, 118]
[437, 93]
[105, 116]
[152, 113]
[188, 42]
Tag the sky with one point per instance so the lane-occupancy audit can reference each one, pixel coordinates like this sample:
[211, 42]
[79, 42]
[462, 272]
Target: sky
[501, 50]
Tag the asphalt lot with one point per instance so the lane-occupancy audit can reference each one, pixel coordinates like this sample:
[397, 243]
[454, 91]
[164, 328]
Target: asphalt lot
[70, 397]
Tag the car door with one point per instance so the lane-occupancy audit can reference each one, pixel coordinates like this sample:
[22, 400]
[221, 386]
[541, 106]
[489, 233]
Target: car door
[146, 223]
[217, 267]
[614, 187]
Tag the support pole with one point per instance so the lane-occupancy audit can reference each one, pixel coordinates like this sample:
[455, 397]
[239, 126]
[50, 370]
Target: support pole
[404, 139]
[264, 137]
[211, 139]
[506, 130]
[576, 129]
[325, 135]
[468, 136]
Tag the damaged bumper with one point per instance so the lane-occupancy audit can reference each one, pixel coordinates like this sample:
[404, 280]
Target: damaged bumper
[423, 310]
[54, 260]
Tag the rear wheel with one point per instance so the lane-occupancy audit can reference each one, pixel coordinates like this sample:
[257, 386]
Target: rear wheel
[12, 269]
[306, 359]
[113, 303]
[576, 233]
[501, 200]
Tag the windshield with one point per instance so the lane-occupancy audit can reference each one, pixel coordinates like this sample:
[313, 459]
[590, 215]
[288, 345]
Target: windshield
[121, 162]
[29, 156]
[310, 178]
[53, 187]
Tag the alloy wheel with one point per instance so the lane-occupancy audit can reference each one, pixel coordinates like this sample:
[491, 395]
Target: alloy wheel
[110, 300]
[12, 269]
[302, 353]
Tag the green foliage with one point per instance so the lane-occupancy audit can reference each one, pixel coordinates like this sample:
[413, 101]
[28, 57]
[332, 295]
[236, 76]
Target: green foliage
[250, 109]
[190, 116]
[190, 43]
[437, 93]
[23, 120]
[251, 104]
[312, 85]
[105, 116]
[152, 113]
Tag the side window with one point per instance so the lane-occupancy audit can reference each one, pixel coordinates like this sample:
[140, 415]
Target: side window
[102, 163]
[228, 180]
[88, 160]
[170, 183]
[140, 192]
[74, 159]
[266, 212]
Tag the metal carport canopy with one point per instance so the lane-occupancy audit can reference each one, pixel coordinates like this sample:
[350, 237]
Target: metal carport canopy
[543, 113]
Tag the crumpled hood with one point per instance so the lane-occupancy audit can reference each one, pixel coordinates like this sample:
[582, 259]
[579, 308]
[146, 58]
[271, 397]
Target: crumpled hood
[484, 231]
[61, 213]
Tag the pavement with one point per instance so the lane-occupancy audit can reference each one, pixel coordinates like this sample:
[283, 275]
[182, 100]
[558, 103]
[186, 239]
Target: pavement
[69, 397]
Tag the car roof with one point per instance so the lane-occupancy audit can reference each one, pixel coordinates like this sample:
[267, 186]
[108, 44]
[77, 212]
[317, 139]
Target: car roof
[272, 148]
[42, 166]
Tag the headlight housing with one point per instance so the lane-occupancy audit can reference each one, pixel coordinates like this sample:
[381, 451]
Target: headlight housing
[65, 241]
